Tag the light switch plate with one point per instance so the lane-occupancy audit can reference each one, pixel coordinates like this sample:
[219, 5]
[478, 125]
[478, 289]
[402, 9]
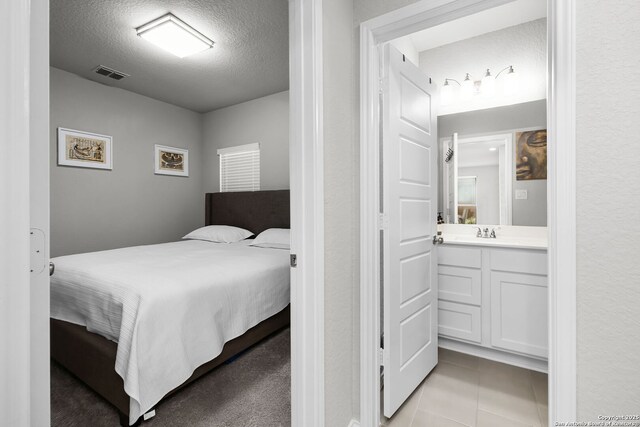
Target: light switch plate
[521, 194]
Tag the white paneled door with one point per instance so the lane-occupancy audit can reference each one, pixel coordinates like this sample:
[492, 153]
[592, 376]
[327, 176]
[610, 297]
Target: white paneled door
[409, 197]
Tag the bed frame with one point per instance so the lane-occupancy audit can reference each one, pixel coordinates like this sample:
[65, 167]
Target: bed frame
[92, 358]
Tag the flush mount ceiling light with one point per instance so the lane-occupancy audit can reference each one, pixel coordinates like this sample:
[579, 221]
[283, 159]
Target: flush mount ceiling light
[175, 36]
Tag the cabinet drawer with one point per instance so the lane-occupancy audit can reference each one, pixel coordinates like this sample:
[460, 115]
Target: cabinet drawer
[460, 256]
[459, 284]
[519, 261]
[459, 321]
[519, 313]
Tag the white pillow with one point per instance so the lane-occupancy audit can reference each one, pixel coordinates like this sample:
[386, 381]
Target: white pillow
[219, 233]
[278, 238]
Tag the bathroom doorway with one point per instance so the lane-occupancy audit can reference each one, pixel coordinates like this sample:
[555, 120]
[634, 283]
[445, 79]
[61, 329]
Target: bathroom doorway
[469, 331]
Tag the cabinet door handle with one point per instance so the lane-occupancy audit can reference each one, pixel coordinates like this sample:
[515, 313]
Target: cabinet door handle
[52, 268]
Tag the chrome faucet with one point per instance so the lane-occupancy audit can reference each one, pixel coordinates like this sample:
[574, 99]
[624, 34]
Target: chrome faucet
[484, 234]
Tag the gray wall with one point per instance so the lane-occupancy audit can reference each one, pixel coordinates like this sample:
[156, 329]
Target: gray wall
[487, 190]
[608, 199]
[264, 120]
[97, 209]
[533, 210]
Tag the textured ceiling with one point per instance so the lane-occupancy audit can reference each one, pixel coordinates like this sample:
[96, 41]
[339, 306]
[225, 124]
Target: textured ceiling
[250, 57]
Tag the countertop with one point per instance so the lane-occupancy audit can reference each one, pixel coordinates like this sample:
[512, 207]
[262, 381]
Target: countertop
[507, 236]
[501, 242]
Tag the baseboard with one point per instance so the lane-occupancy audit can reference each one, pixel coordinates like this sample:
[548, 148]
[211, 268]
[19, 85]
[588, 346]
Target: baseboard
[495, 355]
[354, 423]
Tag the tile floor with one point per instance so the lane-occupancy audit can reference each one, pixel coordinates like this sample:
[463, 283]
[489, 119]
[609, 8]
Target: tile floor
[464, 390]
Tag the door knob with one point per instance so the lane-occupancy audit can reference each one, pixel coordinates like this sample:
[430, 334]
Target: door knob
[52, 268]
[438, 239]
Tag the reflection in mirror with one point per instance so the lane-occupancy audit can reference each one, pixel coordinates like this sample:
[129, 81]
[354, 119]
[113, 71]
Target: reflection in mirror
[494, 166]
[481, 168]
[467, 201]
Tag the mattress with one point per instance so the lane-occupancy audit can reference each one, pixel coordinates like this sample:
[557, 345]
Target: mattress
[170, 307]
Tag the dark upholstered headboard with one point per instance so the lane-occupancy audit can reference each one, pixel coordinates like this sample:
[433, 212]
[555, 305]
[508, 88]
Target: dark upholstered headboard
[255, 211]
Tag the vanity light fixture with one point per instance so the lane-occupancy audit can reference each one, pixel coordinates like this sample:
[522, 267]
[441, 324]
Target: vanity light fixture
[510, 86]
[174, 36]
[485, 87]
[488, 85]
[447, 93]
[466, 88]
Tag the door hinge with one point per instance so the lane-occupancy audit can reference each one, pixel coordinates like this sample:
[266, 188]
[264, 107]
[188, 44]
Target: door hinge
[293, 260]
[383, 221]
[381, 356]
[37, 249]
[382, 85]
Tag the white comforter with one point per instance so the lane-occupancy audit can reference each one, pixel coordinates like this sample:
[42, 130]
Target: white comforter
[170, 307]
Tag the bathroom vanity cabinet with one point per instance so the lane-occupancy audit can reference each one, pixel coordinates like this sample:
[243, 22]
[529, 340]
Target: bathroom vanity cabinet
[492, 302]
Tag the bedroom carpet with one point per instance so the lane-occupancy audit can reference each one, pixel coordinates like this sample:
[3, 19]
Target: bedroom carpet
[253, 390]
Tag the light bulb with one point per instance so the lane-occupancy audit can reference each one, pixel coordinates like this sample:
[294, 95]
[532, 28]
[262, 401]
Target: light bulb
[446, 93]
[488, 86]
[510, 84]
[466, 88]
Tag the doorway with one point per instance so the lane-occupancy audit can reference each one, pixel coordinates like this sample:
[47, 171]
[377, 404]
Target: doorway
[30, 395]
[561, 355]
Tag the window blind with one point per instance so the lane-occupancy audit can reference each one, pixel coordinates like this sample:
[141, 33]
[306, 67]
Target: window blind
[467, 190]
[240, 168]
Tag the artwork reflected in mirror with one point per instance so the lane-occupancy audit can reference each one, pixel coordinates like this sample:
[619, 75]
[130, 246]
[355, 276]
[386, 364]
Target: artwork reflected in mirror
[531, 155]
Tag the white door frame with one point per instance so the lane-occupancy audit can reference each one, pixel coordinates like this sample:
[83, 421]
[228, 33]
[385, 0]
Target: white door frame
[15, 325]
[307, 213]
[561, 192]
[40, 132]
[307, 207]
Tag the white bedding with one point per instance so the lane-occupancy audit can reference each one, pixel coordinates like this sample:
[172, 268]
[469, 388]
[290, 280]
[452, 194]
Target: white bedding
[170, 307]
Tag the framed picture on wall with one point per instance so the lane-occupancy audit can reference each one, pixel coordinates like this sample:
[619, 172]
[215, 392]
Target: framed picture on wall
[171, 161]
[84, 149]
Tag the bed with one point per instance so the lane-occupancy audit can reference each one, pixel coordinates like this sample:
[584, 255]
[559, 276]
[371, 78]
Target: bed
[146, 364]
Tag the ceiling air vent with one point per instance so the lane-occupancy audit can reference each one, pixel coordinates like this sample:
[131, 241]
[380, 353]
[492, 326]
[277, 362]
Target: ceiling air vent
[110, 72]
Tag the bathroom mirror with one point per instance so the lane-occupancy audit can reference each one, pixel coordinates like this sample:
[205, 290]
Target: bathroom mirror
[493, 166]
